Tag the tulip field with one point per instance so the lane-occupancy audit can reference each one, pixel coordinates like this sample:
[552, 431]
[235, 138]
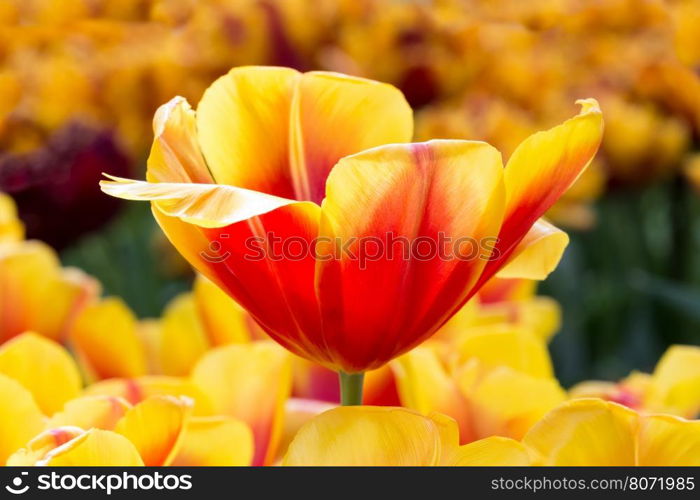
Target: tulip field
[350, 232]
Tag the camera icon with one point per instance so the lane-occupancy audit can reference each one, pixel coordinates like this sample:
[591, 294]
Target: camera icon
[16, 487]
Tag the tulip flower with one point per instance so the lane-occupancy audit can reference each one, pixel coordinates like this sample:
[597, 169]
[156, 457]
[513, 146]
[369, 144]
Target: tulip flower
[673, 387]
[588, 432]
[258, 162]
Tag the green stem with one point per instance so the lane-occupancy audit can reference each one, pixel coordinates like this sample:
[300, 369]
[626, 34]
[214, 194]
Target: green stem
[351, 388]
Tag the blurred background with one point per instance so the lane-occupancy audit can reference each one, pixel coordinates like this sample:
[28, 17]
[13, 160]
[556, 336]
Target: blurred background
[81, 79]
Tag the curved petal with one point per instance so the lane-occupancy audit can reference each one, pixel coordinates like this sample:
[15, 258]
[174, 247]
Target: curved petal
[508, 403]
[175, 154]
[155, 426]
[507, 346]
[425, 386]
[136, 390]
[37, 449]
[366, 436]
[215, 441]
[403, 227]
[205, 205]
[675, 384]
[668, 441]
[86, 412]
[586, 432]
[250, 382]
[43, 367]
[537, 254]
[183, 339]
[540, 170]
[243, 128]
[368, 113]
[492, 452]
[94, 448]
[22, 419]
[297, 412]
[106, 339]
[37, 294]
[226, 322]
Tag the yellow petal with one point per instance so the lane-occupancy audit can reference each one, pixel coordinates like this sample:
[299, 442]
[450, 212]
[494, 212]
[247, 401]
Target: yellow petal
[586, 432]
[369, 113]
[138, 389]
[175, 154]
[226, 322]
[20, 416]
[37, 295]
[206, 205]
[11, 228]
[537, 254]
[507, 346]
[183, 340]
[243, 128]
[503, 403]
[155, 426]
[366, 436]
[94, 448]
[675, 384]
[215, 441]
[249, 382]
[492, 452]
[425, 386]
[43, 367]
[86, 412]
[37, 449]
[106, 339]
[297, 412]
[665, 440]
[546, 164]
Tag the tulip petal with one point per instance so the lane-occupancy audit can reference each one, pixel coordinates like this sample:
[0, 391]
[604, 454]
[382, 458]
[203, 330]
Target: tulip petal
[675, 383]
[215, 441]
[438, 192]
[94, 448]
[366, 436]
[183, 339]
[155, 426]
[425, 386]
[205, 205]
[492, 452]
[106, 339]
[136, 390]
[540, 170]
[507, 346]
[503, 403]
[101, 412]
[369, 113]
[21, 417]
[668, 441]
[243, 128]
[37, 449]
[175, 154]
[585, 432]
[537, 254]
[37, 295]
[226, 322]
[43, 367]
[249, 382]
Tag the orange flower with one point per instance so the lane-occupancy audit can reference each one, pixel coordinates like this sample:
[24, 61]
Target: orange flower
[265, 159]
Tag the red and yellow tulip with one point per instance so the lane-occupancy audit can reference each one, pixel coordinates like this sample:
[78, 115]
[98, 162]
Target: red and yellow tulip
[258, 158]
